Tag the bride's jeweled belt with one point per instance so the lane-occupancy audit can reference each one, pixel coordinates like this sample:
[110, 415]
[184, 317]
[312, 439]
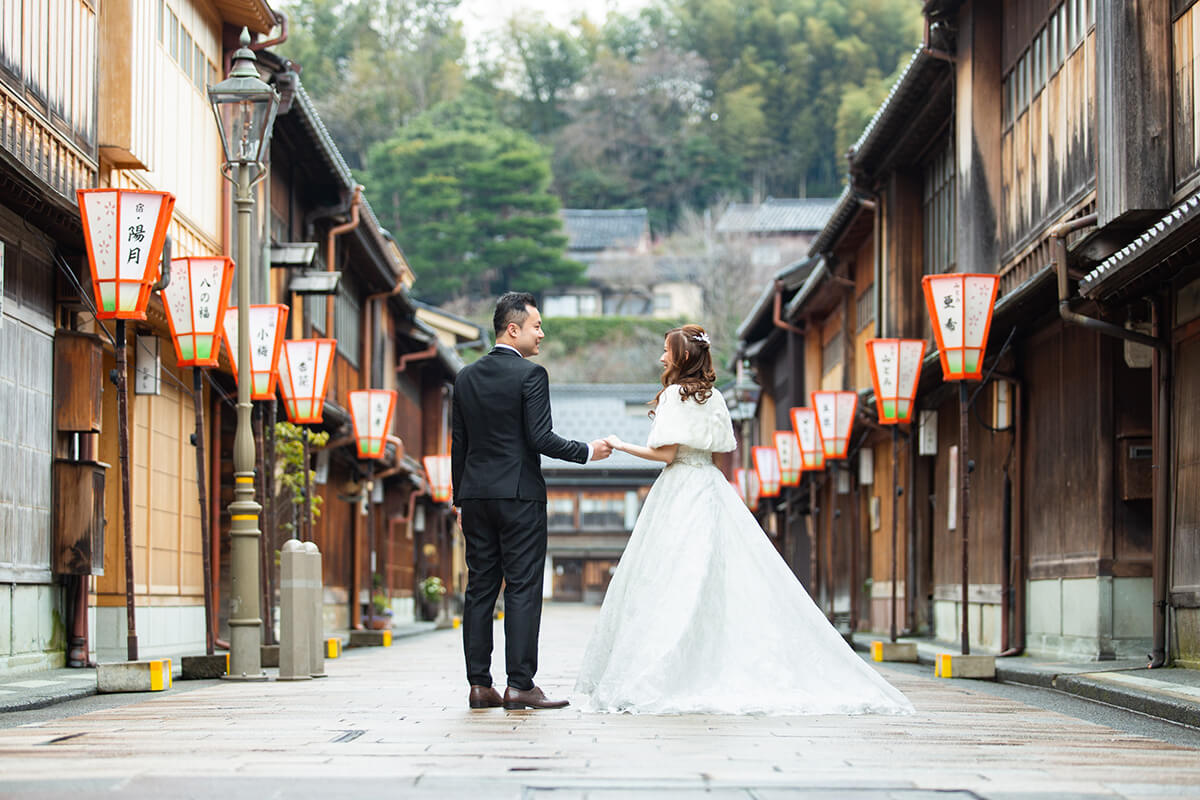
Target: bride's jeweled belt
[692, 457]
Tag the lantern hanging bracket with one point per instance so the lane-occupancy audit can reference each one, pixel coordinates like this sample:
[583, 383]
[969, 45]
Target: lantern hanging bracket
[260, 172]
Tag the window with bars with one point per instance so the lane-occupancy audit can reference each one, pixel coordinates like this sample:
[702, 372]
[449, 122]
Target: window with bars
[864, 307]
[831, 354]
[560, 511]
[347, 311]
[1065, 29]
[184, 49]
[938, 211]
[602, 510]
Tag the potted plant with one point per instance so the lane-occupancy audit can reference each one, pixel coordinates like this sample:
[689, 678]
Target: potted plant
[432, 591]
[382, 616]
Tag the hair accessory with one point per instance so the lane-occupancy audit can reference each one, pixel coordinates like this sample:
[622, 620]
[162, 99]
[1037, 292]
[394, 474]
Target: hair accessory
[701, 337]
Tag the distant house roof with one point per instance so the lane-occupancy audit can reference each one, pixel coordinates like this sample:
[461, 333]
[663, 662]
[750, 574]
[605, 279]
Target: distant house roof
[777, 215]
[587, 411]
[600, 229]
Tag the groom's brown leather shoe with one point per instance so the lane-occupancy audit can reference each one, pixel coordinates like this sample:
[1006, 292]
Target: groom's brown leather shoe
[484, 697]
[530, 698]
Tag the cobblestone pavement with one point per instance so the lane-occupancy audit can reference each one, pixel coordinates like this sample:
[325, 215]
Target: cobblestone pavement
[395, 723]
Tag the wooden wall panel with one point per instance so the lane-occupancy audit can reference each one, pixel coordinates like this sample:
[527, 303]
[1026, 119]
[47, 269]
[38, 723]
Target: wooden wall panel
[1185, 551]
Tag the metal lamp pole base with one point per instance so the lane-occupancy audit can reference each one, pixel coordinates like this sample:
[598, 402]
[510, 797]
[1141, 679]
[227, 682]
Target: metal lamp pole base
[245, 623]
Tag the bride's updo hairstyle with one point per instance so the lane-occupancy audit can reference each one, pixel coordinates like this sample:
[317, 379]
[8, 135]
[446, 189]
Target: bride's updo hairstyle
[691, 364]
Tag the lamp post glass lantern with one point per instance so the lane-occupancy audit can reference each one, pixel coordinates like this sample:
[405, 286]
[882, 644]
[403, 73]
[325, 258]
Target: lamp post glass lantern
[438, 469]
[195, 301]
[244, 107]
[267, 325]
[835, 420]
[766, 466]
[788, 448]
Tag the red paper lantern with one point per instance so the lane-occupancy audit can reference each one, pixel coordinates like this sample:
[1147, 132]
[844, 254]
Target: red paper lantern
[835, 420]
[267, 327]
[895, 373]
[438, 469]
[371, 410]
[304, 369]
[748, 479]
[124, 230]
[788, 448]
[808, 437]
[960, 305]
[766, 465]
[195, 301]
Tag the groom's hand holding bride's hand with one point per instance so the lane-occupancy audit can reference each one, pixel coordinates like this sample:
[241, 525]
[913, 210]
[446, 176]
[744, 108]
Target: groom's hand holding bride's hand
[614, 441]
[601, 449]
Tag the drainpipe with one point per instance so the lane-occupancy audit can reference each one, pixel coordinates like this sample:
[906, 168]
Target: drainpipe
[334, 232]
[282, 19]
[369, 329]
[420, 355]
[1161, 420]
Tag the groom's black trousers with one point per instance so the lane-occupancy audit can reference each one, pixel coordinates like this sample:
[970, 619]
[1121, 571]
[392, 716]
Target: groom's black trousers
[506, 540]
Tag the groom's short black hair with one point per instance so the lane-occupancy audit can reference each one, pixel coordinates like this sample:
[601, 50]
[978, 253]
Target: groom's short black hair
[511, 307]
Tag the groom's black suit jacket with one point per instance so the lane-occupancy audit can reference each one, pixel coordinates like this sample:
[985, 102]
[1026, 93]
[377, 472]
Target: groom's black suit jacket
[501, 427]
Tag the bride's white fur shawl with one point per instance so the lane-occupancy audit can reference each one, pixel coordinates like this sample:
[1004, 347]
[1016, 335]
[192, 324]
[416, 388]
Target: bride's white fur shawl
[701, 426]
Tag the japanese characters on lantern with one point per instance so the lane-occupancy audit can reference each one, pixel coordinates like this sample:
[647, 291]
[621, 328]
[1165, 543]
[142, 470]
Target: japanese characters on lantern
[808, 437]
[895, 373]
[124, 230]
[371, 411]
[267, 326]
[960, 305]
[835, 419]
[766, 464]
[195, 301]
[788, 448]
[304, 369]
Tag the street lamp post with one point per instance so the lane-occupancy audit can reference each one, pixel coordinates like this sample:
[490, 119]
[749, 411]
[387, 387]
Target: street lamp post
[195, 303]
[244, 107]
[960, 305]
[895, 372]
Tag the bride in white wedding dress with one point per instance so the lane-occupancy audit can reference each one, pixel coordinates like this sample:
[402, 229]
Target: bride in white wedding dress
[702, 615]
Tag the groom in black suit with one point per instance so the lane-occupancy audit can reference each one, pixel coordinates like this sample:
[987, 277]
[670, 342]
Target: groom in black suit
[501, 429]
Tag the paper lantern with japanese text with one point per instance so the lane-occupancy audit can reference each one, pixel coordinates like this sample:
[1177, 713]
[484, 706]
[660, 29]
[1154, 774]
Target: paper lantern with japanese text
[371, 411]
[195, 301]
[895, 374]
[766, 464]
[808, 437]
[437, 468]
[960, 306]
[267, 327]
[788, 448]
[124, 230]
[304, 369]
[835, 420]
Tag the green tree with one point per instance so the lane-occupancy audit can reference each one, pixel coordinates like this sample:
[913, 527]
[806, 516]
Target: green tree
[470, 201]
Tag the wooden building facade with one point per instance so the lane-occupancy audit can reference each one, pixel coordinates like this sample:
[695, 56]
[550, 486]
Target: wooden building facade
[1010, 120]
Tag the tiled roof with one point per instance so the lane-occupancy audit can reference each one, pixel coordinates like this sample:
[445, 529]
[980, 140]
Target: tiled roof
[597, 229]
[1183, 213]
[847, 203]
[777, 215]
[587, 411]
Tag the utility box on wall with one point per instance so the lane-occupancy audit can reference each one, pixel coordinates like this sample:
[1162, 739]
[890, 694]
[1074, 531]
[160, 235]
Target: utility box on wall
[78, 372]
[79, 517]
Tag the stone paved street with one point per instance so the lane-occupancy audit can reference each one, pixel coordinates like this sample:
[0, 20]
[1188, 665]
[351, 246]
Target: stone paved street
[394, 723]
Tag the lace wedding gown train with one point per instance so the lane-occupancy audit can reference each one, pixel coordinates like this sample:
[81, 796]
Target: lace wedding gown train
[702, 615]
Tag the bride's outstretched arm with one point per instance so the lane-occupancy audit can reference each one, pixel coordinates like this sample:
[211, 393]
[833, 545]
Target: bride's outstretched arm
[665, 454]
